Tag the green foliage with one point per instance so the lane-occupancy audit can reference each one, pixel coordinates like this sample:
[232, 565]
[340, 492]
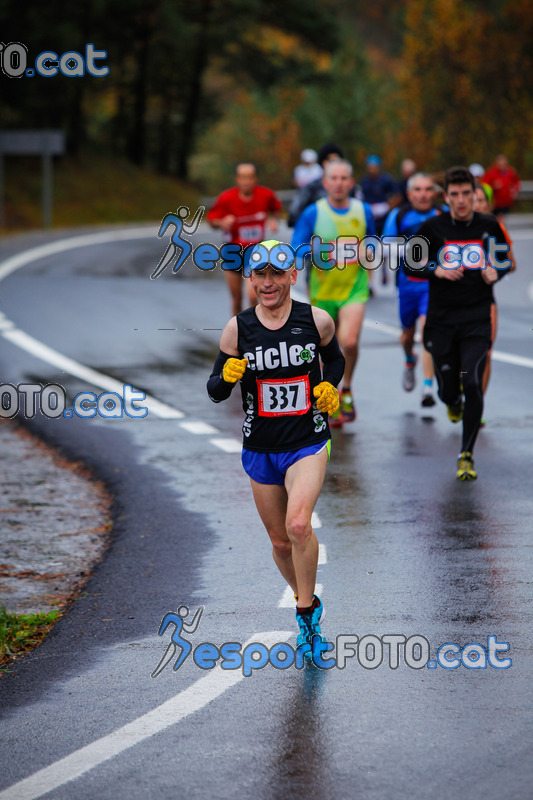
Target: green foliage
[154, 102]
[466, 87]
[90, 190]
[19, 633]
[346, 107]
[346, 103]
[439, 80]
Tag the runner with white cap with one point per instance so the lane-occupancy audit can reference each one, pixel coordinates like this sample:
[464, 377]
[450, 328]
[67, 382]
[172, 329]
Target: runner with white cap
[274, 350]
[309, 170]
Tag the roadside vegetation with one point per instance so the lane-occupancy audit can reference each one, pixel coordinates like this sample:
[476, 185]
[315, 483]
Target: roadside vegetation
[90, 190]
[20, 633]
[439, 81]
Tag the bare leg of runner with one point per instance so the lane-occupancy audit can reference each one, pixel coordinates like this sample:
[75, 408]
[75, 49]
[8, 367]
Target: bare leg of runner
[407, 338]
[286, 513]
[427, 361]
[271, 503]
[349, 322]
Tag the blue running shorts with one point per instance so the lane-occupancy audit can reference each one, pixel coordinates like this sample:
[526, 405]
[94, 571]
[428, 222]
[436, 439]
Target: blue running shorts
[413, 303]
[271, 467]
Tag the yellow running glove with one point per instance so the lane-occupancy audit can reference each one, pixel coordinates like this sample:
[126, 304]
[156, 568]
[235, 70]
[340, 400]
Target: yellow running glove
[327, 397]
[233, 369]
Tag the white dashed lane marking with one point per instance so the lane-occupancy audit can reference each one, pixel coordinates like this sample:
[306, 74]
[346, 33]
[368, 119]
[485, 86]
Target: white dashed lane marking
[227, 445]
[187, 702]
[207, 688]
[288, 601]
[43, 251]
[72, 367]
[198, 427]
[315, 520]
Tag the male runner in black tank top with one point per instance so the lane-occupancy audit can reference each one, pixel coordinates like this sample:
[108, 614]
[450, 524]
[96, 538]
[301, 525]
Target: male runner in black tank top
[457, 332]
[273, 349]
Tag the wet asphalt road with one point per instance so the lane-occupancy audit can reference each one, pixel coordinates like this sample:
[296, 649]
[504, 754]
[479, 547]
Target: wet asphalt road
[410, 551]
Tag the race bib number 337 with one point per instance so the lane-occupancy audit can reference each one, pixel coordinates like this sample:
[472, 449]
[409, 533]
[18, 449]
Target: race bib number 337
[284, 396]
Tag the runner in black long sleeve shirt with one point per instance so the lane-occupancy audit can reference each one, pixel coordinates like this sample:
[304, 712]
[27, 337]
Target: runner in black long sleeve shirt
[458, 330]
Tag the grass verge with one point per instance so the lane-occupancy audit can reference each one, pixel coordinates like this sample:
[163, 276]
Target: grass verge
[22, 632]
[91, 189]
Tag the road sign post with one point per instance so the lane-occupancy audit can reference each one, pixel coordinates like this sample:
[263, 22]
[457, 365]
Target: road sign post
[45, 143]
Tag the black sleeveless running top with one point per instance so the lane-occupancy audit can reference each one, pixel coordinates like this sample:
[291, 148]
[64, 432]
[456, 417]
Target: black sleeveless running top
[277, 387]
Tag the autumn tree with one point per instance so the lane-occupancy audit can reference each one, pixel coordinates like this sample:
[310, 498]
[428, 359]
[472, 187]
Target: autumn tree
[465, 88]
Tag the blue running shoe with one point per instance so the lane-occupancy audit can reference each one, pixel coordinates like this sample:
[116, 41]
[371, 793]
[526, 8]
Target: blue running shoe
[310, 625]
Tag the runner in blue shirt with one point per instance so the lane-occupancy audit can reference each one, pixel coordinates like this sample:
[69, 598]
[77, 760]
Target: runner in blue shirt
[413, 291]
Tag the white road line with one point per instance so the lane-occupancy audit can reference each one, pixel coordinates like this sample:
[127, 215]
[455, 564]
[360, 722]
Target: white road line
[42, 251]
[497, 355]
[509, 358]
[315, 520]
[228, 445]
[287, 601]
[164, 716]
[162, 410]
[198, 427]
[5, 323]
[530, 292]
[373, 324]
[66, 364]
[382, 327]
[322, 554]
[46, 353]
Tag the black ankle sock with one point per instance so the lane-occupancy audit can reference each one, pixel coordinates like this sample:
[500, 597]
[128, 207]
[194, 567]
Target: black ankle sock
[309, 609]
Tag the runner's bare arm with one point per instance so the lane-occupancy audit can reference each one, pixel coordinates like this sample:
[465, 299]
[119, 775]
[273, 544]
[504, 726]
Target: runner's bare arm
[230, 338]
[225, 223]
[219, 215]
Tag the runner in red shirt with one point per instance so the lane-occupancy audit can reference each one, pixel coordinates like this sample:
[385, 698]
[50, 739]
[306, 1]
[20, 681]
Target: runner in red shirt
[505, 184]
[244, 213]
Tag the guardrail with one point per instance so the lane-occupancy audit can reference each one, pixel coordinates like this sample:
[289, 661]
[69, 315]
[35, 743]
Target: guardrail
[526, 191]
